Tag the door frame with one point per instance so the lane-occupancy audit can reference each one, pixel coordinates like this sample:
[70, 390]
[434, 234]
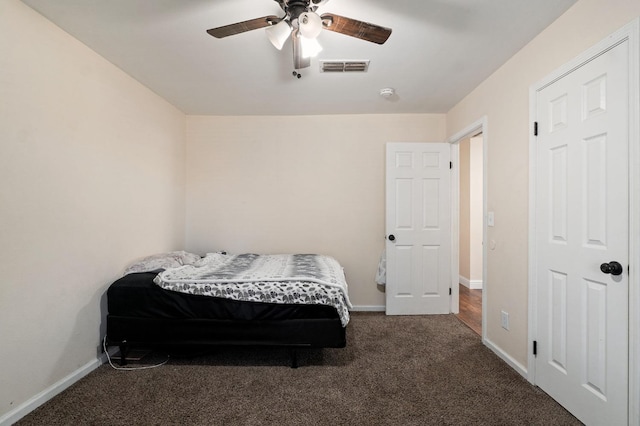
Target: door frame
[479, 126]
[631, 34]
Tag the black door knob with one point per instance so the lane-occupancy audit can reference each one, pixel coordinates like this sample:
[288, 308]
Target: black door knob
[392, 237]
[613, 268]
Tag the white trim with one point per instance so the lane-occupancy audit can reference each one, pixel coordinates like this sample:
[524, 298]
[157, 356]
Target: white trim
[521, 369]
[532, 316]
[367, 308]
[630, 33]
[470, 284]
[479, 126]
[53, 390]
[464, 281]
[455, 226]
[634, 225]
[475, 284]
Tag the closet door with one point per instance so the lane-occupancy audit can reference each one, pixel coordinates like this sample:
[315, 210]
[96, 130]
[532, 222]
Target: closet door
[582, 239]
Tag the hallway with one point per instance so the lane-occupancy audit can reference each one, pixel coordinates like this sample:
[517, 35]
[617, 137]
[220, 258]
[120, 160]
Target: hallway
[471, 308]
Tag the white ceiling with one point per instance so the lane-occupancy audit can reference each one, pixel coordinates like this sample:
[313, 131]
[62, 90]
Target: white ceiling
[438, 52]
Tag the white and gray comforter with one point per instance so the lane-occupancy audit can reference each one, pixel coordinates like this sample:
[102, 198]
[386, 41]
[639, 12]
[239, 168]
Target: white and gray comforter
[282, 278]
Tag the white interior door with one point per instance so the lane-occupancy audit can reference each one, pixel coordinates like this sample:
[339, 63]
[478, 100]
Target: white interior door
[418, 228]
[581, 225]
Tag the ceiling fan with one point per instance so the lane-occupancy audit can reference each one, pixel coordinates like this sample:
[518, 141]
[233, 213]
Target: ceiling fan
[303, 24]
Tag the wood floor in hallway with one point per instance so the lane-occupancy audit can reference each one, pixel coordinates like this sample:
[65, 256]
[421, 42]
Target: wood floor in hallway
[471, 308]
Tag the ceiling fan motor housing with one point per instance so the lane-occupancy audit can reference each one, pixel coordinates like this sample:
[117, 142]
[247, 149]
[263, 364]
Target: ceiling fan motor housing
[294, 8]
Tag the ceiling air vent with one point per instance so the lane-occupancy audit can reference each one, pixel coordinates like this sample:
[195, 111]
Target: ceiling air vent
[344, 66]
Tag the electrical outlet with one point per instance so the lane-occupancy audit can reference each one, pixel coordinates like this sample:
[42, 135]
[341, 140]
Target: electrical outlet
[505, 320]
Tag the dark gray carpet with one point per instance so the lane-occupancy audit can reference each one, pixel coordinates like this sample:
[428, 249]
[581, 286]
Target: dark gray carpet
[395, 371]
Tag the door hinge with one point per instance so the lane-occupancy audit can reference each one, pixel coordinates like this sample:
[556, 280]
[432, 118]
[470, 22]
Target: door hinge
[535, 128]
[450, 165]
[535, 347]
[449, 291]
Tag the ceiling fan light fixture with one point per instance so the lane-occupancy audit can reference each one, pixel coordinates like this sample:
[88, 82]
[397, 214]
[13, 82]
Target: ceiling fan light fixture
[279, 33]
[310, 24]
[301, 22]
[310, 47]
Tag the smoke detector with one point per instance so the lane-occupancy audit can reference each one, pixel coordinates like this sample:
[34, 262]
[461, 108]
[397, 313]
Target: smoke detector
[387, 92]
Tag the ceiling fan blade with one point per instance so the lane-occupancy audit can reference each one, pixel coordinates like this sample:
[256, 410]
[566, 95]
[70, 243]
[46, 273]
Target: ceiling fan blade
[354, 28]
[299, 61]
[244, 26]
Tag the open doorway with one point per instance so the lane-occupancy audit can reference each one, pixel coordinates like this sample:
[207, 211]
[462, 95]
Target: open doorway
[460, 291]
[471, 219]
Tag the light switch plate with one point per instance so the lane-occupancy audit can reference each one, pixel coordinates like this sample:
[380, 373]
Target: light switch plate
[505, 320]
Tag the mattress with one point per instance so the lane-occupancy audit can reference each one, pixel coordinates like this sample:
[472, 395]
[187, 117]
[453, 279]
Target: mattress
[135, 295]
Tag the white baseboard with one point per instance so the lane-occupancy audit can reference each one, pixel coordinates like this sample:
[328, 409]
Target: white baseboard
[28, 406]
[364, 308]
[470, 284]
[521, 369]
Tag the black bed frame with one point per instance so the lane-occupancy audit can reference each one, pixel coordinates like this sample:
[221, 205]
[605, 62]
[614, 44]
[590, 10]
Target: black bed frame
[129, 332]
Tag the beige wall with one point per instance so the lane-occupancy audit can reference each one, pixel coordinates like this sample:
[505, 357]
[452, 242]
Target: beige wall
[297, 184]
[504, 99]
[471, 216]
[91, 177]
[476, 217]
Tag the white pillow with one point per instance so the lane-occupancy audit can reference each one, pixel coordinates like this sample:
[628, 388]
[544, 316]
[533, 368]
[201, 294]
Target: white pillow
[173, 259]
[187, 258]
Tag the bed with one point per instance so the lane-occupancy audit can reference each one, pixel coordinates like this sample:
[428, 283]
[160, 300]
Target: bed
[181, 299]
